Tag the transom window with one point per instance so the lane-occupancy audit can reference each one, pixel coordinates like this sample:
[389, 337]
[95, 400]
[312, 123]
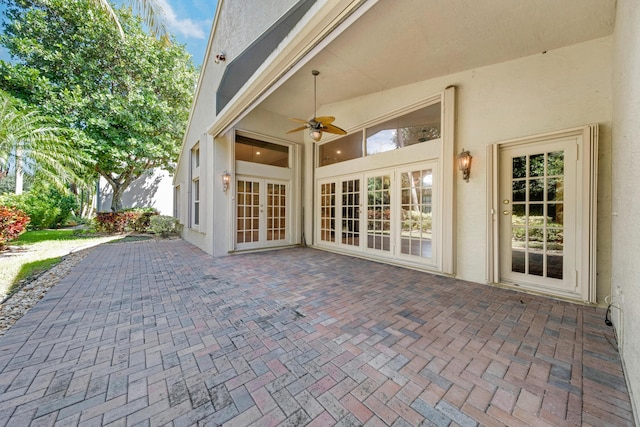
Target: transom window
[414, 128]
[266, 153]
[409, 129]
[340, 150]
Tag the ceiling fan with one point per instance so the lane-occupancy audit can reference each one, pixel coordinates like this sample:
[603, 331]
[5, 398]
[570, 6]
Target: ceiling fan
[317, 125]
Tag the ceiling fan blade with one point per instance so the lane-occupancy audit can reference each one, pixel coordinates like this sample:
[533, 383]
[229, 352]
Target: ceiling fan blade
[298, 120]
[333, 129]
[297, 129]
[325, 120]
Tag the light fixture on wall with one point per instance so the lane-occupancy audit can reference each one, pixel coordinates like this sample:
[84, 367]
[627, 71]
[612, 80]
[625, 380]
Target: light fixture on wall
[464, 164]
[221, 57]
[226, 180]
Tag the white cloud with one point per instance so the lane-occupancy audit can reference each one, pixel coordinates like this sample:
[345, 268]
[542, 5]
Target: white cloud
[187, 27]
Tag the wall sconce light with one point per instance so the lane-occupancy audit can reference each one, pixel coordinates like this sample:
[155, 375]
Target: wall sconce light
[315, 134]
[221, 57]
[226, 180]
[464, 164]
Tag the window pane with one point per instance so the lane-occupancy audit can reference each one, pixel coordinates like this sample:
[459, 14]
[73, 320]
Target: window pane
[351, 212]
[519, 191]
[340, 150]
[415, 210]
[536, 190]
[555, 164]
[379, 212]
[416, 127]
[328, 212]
[196, 157]
[520, 167]
[555, 189]
[256, 151]
[536, 165]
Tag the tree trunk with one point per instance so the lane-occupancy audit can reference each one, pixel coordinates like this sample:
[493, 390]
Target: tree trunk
[119, 185]
[116, 199]
[19, 171]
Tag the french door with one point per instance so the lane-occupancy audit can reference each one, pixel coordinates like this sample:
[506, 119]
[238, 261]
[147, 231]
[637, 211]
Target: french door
[385, 213]
[545, 212]
[261, 213]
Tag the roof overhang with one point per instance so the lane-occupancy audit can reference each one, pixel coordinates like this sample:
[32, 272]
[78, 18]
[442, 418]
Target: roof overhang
[369, 46]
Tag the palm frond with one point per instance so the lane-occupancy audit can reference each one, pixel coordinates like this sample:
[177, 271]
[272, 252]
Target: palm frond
[106, 6]
[40, 143]
[151, 11]
[153, 14]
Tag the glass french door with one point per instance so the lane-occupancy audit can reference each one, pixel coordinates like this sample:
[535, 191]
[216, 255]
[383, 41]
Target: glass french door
[417, 209]
[538, 215]
[261, 213]
[351, 209]
[386, 213]
[379, 191]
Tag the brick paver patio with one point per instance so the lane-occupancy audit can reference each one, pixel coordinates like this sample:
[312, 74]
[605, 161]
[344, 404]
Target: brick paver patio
[159, 333]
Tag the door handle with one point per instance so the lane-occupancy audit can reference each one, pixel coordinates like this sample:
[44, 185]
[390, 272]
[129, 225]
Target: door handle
[505, 212]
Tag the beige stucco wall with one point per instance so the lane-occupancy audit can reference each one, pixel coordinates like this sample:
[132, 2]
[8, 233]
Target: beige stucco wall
[153, 189]
[624, 186]
[560, 89]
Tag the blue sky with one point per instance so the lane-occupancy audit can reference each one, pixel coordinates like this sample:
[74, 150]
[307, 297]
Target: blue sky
[189, 20]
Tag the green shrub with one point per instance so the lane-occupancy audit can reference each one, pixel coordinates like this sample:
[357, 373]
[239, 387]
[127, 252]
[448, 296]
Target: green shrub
[535, 226]
[135, 219]
[13, 222]
[163, 225]
[413, 220]
[139, 218]
[47, 207]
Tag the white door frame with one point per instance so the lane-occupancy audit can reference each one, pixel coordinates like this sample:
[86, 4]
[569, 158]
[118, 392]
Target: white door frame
[586, 205]
[263, 241]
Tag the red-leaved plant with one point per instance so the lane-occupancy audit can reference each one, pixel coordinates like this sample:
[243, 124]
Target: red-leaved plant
[13, 222]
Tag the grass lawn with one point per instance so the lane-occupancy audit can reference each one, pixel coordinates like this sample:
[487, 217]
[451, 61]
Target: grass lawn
[37, 251]
[44, 235]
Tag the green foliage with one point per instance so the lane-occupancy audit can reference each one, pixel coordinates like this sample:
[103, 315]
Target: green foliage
[535, 229]
[113, 222]
[13, 222]
[416, 221]
[163, 225]
[46, 235]
[136, 219]
[141, 218]
[151, 10]
[36, 143]
[126, 102]
[47, 207]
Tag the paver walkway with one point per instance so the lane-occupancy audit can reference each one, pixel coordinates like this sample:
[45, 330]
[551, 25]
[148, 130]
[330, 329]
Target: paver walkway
[157, 333]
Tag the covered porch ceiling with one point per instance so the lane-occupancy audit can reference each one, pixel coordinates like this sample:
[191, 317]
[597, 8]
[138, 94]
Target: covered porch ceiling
[399, 42]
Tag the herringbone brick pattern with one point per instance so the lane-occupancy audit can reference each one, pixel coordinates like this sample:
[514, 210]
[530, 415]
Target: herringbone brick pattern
[159, 333]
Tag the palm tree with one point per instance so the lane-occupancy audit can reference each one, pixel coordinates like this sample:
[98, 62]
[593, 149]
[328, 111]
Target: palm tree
[151, 11]
[31, 139]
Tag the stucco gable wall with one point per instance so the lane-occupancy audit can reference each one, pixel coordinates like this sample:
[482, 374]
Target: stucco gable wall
[238, 25]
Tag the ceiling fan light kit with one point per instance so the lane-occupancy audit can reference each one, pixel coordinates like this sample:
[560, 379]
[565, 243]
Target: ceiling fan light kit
[317, 125]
